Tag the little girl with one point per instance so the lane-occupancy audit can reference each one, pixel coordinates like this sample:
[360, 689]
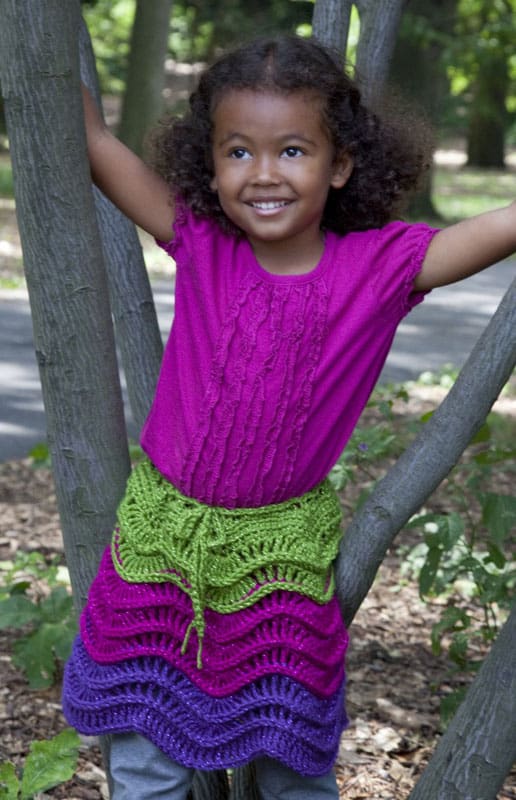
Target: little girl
[212, 636]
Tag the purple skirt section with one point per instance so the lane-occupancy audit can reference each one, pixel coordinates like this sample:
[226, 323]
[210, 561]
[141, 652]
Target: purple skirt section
[273, 716]
[272, 680]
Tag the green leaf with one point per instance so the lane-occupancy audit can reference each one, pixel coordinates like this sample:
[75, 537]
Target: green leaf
[450, 704]
[63, 644]
[482, 435]
[429, 571]
[452, 531]
[419, 520]
[40, 455]
[496, 556]
[459, 649]
[499, 515]
[58, 605]
[34, 654]
[494, 456]
[50, 763]
[17, 610]
[453, 619]
[20, 587]
[9, 783]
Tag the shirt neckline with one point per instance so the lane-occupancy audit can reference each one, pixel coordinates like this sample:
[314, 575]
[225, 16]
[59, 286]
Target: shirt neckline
[286, 278]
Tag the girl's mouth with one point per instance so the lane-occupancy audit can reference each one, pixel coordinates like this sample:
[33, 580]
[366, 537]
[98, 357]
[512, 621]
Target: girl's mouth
[268, 206]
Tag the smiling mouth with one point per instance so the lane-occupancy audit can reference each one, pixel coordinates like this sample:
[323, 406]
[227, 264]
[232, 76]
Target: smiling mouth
[269, 206]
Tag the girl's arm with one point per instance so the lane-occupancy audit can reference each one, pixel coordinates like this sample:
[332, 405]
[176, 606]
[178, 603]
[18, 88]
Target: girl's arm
[130, 184]
[468, 247]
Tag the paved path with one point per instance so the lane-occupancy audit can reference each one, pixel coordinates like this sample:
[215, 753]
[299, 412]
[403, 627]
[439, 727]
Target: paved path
[442, 330]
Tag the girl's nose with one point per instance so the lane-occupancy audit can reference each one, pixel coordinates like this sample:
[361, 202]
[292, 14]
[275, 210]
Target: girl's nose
[265, 171]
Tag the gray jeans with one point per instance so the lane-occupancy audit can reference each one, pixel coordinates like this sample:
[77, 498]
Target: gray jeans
[140, 771]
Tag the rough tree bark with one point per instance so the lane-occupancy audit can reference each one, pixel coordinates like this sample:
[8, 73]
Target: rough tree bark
[330, 23]
[479, 747]
[136, 325]
[63, 259]
[379, 22]
[143, 101]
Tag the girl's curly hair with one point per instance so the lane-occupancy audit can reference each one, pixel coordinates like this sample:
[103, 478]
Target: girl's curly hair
[388, 160]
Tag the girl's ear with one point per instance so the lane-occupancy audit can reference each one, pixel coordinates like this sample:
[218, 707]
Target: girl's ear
[342, 169]
[213, 184]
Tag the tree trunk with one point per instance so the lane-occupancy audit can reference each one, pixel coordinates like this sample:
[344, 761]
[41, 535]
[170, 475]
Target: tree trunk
[418, 71]
[143, 101]
[379, 24]
[330, 23]
[488, 115]
[73, 332]
[136, 325]
[479, 747]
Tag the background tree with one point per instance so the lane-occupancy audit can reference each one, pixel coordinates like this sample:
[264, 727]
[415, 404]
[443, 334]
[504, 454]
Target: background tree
[418, 72]
[486, 31]
[74, 341]
[379, 24]
[143, 97]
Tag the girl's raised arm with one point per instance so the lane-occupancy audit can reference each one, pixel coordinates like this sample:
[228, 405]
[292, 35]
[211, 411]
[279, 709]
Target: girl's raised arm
[468, 247]
[123, 177]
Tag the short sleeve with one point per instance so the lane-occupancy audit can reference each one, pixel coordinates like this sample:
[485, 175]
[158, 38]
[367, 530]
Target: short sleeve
[191, 233]
[395, 257]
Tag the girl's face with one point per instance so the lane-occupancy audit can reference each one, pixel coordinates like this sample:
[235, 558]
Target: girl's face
[273, 167]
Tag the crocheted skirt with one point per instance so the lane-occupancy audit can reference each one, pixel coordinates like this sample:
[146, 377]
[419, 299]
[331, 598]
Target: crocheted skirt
[213, 632]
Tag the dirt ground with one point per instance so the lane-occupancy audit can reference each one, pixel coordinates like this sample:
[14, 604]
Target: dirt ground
[395, 682]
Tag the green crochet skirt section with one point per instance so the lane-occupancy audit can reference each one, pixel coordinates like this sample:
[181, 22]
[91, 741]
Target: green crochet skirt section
[226, 559]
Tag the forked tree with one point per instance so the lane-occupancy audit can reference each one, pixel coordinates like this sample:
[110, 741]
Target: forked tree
[84, 268]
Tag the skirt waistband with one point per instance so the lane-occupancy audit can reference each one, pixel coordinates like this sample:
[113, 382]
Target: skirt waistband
[225, 559]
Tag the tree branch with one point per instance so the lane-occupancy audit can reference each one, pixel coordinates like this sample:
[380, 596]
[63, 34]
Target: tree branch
[429, 458]
[479, 747]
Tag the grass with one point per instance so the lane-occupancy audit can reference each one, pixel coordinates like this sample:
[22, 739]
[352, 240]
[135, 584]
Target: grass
[464, 192]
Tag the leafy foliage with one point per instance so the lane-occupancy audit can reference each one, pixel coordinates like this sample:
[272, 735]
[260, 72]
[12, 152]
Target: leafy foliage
[46, 620]
[48, 764]
[467, 556]
[197, 30]
[465, 560]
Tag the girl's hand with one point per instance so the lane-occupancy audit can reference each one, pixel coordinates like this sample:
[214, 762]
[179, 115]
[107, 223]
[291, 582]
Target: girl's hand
[131, 185]
[468, 247]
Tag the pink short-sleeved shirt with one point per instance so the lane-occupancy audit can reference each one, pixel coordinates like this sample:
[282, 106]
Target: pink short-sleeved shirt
[264, 376]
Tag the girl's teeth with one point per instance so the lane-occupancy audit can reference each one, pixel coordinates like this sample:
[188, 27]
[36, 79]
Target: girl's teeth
[270, 205]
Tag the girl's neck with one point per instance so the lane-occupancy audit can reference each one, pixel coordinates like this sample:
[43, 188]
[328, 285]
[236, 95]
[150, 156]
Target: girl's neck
[280, 258]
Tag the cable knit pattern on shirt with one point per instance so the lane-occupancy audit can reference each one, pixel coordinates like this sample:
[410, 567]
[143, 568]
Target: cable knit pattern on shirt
[265, 375]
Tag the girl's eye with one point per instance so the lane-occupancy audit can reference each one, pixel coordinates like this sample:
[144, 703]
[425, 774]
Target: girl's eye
[293, 152]
[240, 152]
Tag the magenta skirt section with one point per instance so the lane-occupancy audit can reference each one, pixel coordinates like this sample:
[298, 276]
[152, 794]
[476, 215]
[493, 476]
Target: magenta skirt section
[271, 682]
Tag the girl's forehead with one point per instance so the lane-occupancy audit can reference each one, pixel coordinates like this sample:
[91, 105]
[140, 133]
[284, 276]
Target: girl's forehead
[246, 107]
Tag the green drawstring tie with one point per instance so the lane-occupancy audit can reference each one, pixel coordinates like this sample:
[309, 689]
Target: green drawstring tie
[225, 559]
[203, 538]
